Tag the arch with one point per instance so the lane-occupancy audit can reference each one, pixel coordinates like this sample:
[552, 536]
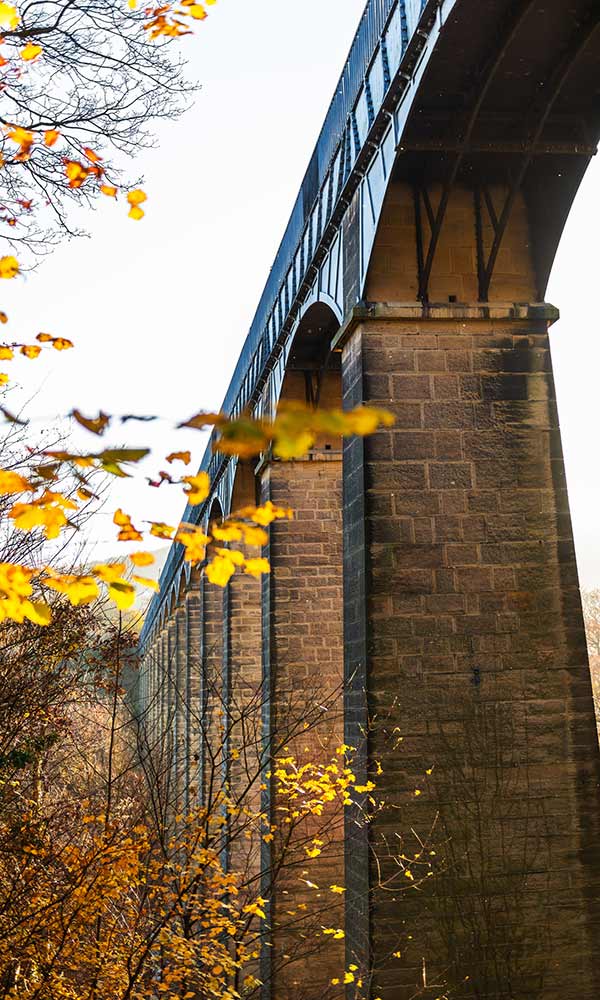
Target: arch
[482, 129]
[313, 369]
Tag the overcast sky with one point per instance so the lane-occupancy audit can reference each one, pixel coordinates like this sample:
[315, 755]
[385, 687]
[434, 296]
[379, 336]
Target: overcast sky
[159, 309]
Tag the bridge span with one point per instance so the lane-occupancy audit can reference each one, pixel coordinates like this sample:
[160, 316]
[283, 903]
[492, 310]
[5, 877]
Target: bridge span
[429, 577]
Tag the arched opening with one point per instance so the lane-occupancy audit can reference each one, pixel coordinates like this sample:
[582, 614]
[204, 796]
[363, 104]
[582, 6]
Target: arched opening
[304, 664]
[313, 370]
[213, 682]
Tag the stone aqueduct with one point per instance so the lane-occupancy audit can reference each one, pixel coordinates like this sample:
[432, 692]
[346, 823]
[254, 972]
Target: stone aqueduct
[429, 575]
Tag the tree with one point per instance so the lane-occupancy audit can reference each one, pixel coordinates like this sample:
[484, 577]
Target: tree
[82, 80]
[591, 614]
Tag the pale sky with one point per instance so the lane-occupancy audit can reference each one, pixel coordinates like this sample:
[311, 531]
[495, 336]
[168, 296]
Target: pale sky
[159, 309]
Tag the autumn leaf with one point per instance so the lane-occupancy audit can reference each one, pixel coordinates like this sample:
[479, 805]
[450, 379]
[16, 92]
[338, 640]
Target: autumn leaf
[9, 266]
[142, 558]
[51, 136]
[79, 590]
[145, 581]
[39, 514]
[30, 52]
[6, 354]
[31, 351]
[197, 488]
[122, 593]
[220, 570]
[180, 456]
[8, 16]
[38, 612]
[12, 482]
[160, 530]
[128, 532]
[194, 542]
[256, 908]
[108, 190]
[61, 344]
[135, 199]
[76, 173]
[256, 567]
[24, 140]
[97, 425]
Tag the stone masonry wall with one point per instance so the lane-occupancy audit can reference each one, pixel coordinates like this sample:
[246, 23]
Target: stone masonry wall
[487, 882]
[306, 678]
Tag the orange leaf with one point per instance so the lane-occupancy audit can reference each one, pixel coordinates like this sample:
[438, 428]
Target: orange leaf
[180, 456]
[51, 136]
[108, 190]
[91, 155]
[97, 425]
[31, 350]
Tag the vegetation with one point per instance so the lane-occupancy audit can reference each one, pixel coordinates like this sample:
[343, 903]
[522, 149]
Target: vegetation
[118, 878]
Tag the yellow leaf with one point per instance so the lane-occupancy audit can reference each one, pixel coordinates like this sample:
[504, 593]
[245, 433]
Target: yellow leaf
[61, 344]
[256, 567]
[122, 593]
[128, 532]
[194, 541]
[8, 16]
[9, 266]
[109, 572]
[288, 446]
[337, 889]
[108, 189]
[141, 558]
[135, 199]
[31, 351]
[6, 354]
[30, 52]
[144, 581]
[219, 571]
[198, 488]
[12, 482]
[39, 514]
[160, 530]
[37, 612]
[78, 589]
[3, 378]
